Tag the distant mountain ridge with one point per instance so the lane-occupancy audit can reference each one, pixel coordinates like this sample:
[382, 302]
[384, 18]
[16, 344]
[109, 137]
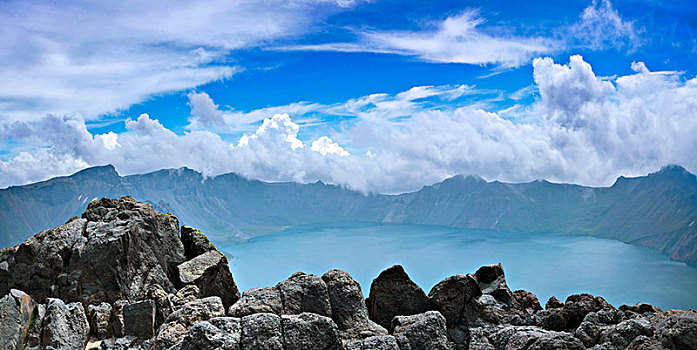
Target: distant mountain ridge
[658, 210]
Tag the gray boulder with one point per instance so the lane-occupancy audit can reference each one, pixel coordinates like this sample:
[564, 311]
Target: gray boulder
[593, 324]
[554, 303]
[257, 300]
[218, 333]
[304, 293]
[179, 322]
[64, 326]
[210, 272]
[392, 294]
[139, 319]
[570, 316]
[115, 251]
[678, 329]
[128, 247]
[185, 295]
[262, 331]
[16, 310]
[640, 308]
[124, 343]
[529, 337]
[310, 331]
[621, 335]
[349, 310]
[425, 331]
[100, 320]
[42, 258]
[377, 342]
[452, 294]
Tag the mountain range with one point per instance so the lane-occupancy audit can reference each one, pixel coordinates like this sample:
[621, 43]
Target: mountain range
[657, 211]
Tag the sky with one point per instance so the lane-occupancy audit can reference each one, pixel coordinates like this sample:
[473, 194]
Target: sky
[374, 95]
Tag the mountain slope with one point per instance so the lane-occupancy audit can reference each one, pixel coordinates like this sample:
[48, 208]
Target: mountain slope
[657, 211]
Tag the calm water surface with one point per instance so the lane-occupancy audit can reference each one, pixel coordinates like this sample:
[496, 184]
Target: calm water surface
[545, 264]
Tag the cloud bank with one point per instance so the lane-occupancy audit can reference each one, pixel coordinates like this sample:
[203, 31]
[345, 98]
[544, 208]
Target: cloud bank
[581, 129]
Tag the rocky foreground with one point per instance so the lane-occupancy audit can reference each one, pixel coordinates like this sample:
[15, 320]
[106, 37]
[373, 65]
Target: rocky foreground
[126, 277]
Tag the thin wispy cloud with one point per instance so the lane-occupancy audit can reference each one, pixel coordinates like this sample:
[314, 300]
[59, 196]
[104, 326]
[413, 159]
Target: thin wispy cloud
[457, 39]
[600, 26]
[100, 57]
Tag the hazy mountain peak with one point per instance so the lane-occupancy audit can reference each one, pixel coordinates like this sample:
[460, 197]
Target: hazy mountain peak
[100, 170]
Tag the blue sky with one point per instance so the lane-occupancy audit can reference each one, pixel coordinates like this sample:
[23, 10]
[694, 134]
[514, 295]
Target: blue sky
[375, 95]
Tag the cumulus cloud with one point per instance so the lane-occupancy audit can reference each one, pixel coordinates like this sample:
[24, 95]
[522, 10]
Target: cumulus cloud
[457, 39]
[325, 145]
[629, 125]
[566, 88]
[600, 26]
[96, 58]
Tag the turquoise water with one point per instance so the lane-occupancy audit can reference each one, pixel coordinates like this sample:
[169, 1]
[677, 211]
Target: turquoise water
[545, 264]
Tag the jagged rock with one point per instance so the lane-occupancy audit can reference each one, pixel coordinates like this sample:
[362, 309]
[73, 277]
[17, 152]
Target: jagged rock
[100, 320]
[124, 343]
[570, 316]
[139, 319]
[310, 331]
[643, 342]
[262, 331]
[590, 329]
[195, 242]
[552, 319]
[7, 263]
[304, 293]
[392, 294]
[640, 308]
[64, 326]
[479, 339]
[425, 331]
[678, 329]
[376, 342]
[115, 251]
[117, 324]
[257, 300]
[176, 325]
[185, 295]
[33, 338]
[528, 338]
[211, 274]
[490, 278]
[553, 303]
[349, 310]
[526, 300]
[621, 335]
[163, 303]
[452, 294]
[120, 228]
[223, 333]
[40, 259]
[16, 311]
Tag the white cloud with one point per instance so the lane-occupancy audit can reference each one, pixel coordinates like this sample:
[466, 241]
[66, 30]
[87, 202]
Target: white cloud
[110, 140]
[565, 88]
[325, 145]
[629, 125]
[204, 111]
[600, 26]
[457, 39]
[100, 57]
